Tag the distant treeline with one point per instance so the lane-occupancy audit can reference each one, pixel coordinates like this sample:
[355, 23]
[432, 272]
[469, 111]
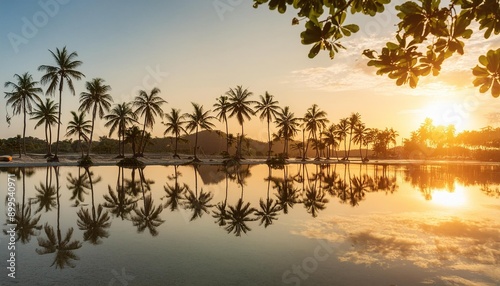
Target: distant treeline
[441, 142]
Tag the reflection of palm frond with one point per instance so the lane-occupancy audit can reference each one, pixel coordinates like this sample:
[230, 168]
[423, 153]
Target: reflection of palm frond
[62, 247]
[120, 204]
[26, 226]
[45, 198]
[77, 186]
[198, 204]
[314, 201]
[147, 216]
[174, 195]
[220, 213]
[94, 225]
[268, 211]
[238, 217]
[287, 195]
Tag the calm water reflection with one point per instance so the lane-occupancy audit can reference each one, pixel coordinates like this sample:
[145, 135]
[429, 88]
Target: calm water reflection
[253, 225]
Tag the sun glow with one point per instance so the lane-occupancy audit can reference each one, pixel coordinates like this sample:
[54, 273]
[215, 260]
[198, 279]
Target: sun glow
[446, 113]
[456, 198]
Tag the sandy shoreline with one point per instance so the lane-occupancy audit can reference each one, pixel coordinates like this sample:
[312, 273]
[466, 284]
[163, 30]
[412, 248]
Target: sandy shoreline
[37, 160]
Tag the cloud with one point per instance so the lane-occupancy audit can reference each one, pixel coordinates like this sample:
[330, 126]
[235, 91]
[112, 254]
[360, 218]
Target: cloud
[435, 243]
[349, 70]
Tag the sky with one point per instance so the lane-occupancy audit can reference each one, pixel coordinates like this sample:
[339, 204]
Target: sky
[194, 51]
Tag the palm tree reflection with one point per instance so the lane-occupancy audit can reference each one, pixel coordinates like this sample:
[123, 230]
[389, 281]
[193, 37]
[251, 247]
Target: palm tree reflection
[287, 194]
[239, 215]
[197, 203]
[26, 225]
[78, 186]
[269, 208]
[220, 212]
[174, 193]
[148, 215]
[55, 243]
[119, 203]
[46, 193]
[93, 223]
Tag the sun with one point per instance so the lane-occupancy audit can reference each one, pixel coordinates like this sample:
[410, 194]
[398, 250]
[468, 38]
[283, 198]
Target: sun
[445, 113]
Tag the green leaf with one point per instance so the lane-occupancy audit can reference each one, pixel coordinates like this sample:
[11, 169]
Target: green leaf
[314, 50]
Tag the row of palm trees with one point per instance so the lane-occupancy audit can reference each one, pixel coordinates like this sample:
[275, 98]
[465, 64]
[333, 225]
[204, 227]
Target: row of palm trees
[123, 117]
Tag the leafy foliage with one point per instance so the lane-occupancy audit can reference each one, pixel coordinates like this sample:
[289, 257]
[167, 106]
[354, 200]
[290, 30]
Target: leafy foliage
[428, 33]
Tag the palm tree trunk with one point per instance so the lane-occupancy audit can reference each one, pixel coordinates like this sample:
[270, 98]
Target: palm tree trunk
[91, 130]
[350, 140]
[317, 145]
[269, 139]
[227, 137]
[345, 147]
[142, 136]
[47, 138]
[176, 141]
[360, 151]
[24, 127]
[80, 143]
[59, 119]
[196, 143]
[303, 146]
[50, 139]
[241, 143]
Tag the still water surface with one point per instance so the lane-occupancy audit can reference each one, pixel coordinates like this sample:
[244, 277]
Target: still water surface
[252, 225]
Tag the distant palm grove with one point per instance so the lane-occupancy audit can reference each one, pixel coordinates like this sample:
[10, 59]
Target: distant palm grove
[312, 134]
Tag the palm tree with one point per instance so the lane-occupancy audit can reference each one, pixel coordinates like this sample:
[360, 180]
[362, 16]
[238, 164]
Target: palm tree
[24, 93]
[97, 99]
[175, 126]
[353, 120]
[370, 138]
[148, 106]
[331, 138]
[199, 119]
[268, 109]
[222, 107]
[392, 134]
[314, 120]
[119, 117]
[132, 135]
[240, 106]
[342, 129]
[360, 133]
[46, 113]
[287, 125]
[65, 69]
[79, 126]
[147, 140]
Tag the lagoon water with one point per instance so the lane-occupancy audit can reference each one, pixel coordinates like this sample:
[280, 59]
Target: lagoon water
[252, 225]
